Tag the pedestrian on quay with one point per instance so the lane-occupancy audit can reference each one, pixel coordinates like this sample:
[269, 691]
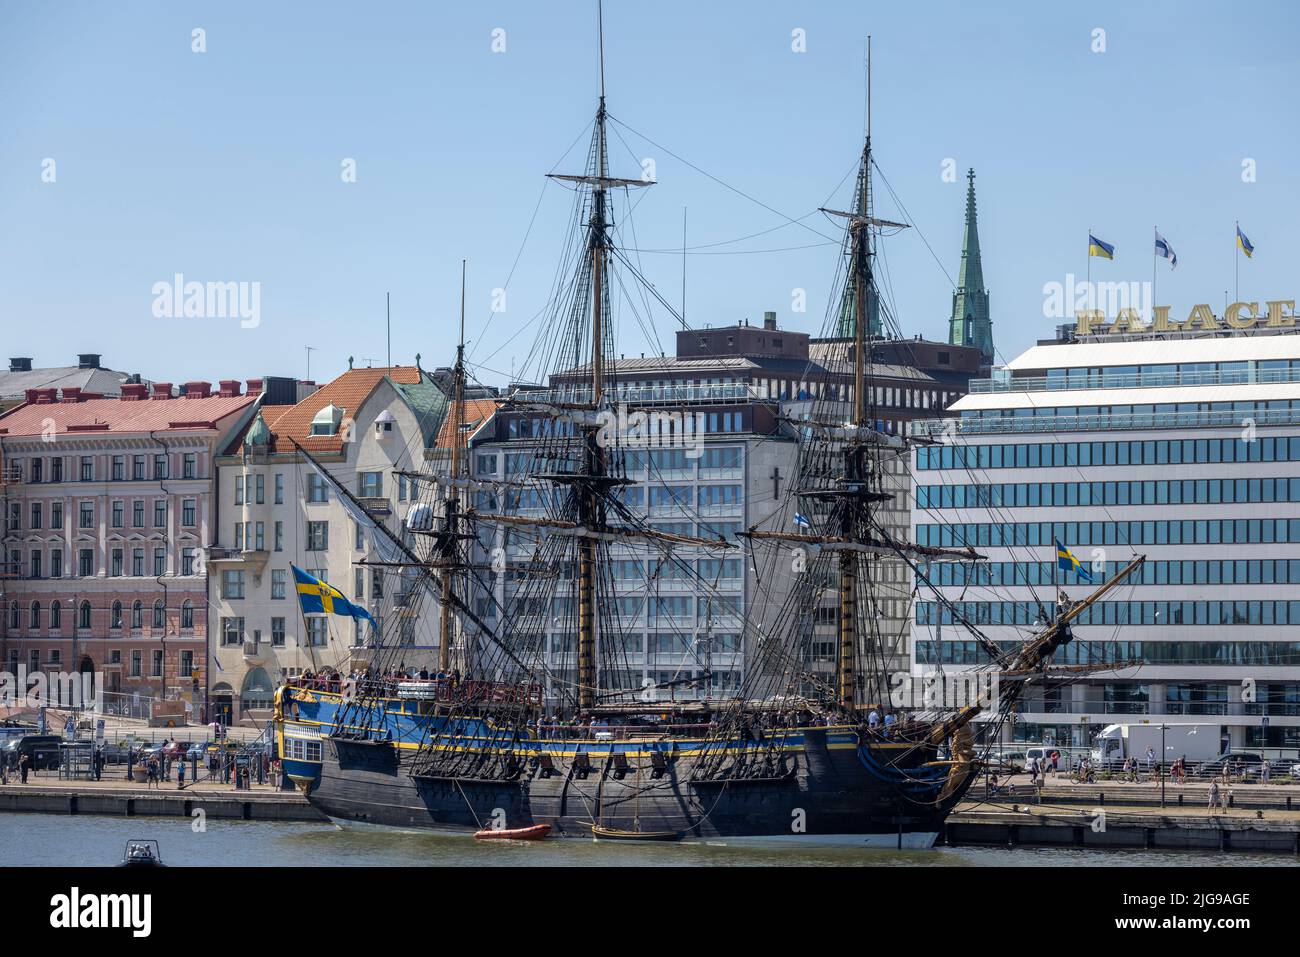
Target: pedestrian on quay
[23, 763]
[1216, 797]
[1265, 772]
[180, 776]
[130, 762]
[1151, 759]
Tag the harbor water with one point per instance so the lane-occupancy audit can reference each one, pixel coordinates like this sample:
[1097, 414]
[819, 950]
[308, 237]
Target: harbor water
[57, 840]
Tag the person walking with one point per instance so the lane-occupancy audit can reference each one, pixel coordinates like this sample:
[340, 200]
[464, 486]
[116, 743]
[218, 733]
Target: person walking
[24, 763]
[180, 775]
[1216, 798]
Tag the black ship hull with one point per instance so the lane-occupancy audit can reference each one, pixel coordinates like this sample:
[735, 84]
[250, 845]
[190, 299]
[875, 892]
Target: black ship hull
[857, 794]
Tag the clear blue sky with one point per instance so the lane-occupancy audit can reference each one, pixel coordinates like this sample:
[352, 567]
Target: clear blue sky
[225, 165]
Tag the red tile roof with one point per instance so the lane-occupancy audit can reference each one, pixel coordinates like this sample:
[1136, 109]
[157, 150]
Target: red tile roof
[476, 412]
[349, 391]
[122, 415]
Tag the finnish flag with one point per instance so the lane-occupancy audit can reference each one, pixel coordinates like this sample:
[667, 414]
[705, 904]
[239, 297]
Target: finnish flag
[1165, 250]
[802, 520]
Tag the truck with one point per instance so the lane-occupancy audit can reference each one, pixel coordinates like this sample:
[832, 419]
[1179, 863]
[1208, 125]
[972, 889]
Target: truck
[1195, 742]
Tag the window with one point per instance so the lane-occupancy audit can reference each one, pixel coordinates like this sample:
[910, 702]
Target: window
[137, 514]
[376, 583]
[56, 469]
[157, 657]
[56, 563]
[137, 562]
[119, 468]
[317, 489]
[35, 568]
[370, 484]
[86, 563]
[34, 616]
[15, 521]
[232, 631]
[188, 506]
[83, 615]
[56, 616]
[118, 514]
[279, 488]
[160, 466]
[187, 560]
[159, 615]
[358, 583]
[37, 514]
[137, 615]
[279, 536]
[259, 485]
[87, 468]
[56, 513]
[135, 663]
[232, 583]
[277, 632]
[137, 468]
[37, 465]
[189, 465]
[160, 513]
[318, 534]
[115, 616]
[115, 566]
[239, 490]
[317, 635]
[159, 562]
[187, 615]
[360, 542]
[187, 665]
[259, 536]
[87, 515]
[279, 582]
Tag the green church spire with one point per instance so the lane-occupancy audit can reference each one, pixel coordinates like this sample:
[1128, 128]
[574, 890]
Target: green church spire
[970, 324]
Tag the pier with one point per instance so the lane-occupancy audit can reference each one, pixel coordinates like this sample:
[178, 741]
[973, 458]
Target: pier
[122, 798]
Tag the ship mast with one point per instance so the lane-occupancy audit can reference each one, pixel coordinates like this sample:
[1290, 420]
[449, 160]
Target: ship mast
[446, 624]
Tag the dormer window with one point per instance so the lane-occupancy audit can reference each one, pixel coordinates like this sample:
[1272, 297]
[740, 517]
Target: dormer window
[327, 420]
[384, 424]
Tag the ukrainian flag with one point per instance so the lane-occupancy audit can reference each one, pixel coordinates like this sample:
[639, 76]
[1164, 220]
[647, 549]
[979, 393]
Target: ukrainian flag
[1244, 243]
[1066, 561]
[319, 598]
[1098, 248]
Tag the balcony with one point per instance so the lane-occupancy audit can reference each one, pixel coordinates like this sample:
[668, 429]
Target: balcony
[255, 653]
[376, 504]
[1133, 380]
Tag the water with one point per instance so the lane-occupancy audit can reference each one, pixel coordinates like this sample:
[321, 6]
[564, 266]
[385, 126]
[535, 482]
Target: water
[55, 840]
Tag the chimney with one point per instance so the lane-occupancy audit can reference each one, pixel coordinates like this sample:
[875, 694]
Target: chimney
[197, 390]
[71, 394]
[134, 392]
[45, 396]
[162, 390]
[229, 388]
[88, 360]
[31, 395]
[254, 386]
[20, 364]
[769, 320]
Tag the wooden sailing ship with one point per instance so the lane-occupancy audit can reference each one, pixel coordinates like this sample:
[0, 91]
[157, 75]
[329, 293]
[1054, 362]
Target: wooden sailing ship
[506, 736]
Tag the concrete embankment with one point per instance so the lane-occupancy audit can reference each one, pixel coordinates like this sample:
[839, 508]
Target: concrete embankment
[130, 802]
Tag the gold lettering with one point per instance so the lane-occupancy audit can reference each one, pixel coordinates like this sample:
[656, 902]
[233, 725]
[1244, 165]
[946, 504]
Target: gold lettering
[1276, 317]
[1089, 322]
[1232, 315]
[1201, 313]
[1160, 321]
[1128, 320]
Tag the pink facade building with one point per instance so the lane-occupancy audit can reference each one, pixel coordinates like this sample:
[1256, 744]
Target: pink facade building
[107, 507]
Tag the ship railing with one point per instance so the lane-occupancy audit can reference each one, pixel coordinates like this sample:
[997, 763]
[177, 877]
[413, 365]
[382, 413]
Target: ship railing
[1132, 380]
[1189, 419]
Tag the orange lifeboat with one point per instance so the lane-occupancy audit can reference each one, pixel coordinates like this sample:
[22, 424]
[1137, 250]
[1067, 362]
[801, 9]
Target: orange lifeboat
[535, 833]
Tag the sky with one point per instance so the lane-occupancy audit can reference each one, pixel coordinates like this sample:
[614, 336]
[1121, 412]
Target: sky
[128, 157]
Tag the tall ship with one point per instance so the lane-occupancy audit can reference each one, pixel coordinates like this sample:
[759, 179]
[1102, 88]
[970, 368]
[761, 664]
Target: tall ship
[499, 734]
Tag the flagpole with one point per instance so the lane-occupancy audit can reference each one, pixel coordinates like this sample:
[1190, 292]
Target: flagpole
[1155, 230]
[1236, 262]
[1089, 269]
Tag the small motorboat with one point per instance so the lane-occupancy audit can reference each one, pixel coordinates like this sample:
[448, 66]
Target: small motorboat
[535, 833]
[142, 853]
[601, 833]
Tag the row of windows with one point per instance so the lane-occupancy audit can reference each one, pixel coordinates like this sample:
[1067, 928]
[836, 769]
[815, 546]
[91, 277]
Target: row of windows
[86, 514]
[35, 615]
[1214, 531]
[87, 568]
[1033, 455]
[1151, 492]
[1115, 613]
[54, 660]
[1254, 571]
[1228, 653]
[139, 467]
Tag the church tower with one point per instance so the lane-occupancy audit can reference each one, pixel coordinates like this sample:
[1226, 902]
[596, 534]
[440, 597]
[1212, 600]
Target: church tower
[970, 324]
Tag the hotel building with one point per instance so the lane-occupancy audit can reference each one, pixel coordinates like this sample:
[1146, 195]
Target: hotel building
[1181, 447]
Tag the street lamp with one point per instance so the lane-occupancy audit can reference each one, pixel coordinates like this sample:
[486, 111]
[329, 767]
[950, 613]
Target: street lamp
[1163, 726]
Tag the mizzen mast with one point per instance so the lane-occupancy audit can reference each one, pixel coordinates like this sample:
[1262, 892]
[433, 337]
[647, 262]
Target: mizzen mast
[446, 624]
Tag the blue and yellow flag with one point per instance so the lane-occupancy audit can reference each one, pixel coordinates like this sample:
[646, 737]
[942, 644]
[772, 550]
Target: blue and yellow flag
[1066, 561]
[319, 598]
[1244, 243]
[1098, 248]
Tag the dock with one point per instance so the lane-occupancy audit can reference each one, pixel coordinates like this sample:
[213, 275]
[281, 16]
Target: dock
[121, 798]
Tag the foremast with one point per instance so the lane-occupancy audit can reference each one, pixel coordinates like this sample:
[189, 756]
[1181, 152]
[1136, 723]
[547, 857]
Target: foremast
[448, 544]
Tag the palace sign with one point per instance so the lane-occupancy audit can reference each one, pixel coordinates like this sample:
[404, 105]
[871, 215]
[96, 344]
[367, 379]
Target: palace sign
[1277, 313]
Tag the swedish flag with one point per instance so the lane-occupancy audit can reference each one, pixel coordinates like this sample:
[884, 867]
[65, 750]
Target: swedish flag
[319, 598]
[1066, 561]
[1244, 243]
[1098, 248]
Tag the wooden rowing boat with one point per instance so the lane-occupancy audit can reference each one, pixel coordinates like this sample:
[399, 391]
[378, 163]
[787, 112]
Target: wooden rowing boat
[535, 833]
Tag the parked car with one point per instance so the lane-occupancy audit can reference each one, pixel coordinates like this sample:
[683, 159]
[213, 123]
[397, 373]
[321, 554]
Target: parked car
[42, 749]
[1248, 762]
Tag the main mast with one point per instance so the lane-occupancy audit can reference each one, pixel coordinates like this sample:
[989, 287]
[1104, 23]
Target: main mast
[446, 625]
